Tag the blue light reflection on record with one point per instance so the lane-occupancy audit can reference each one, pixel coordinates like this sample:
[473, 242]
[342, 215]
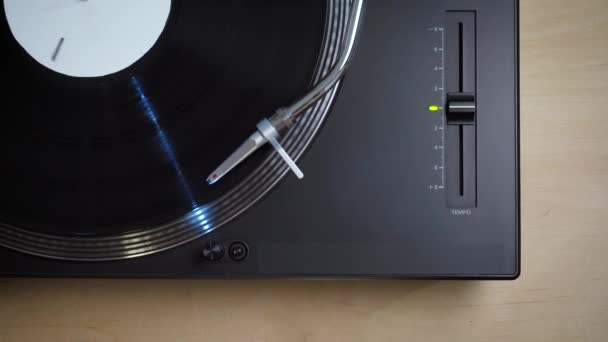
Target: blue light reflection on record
[197, 213]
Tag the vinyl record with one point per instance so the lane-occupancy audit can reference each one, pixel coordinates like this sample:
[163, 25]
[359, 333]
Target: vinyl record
[110, 162]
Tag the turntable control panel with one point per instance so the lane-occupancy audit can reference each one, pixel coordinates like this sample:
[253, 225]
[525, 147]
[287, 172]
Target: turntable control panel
[456, 88]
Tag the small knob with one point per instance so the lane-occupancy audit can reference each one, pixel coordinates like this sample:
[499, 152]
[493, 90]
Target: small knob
[213, 251]
[461, 109]
[238, 251]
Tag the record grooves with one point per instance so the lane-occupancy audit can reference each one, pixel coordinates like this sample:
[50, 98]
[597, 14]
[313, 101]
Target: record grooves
[139, 143]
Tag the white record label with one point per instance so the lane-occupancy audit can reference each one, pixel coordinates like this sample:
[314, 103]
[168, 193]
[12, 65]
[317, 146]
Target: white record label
[87, 38]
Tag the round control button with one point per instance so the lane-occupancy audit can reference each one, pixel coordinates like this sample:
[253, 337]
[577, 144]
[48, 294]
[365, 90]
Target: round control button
[213, 251]
[238, 251]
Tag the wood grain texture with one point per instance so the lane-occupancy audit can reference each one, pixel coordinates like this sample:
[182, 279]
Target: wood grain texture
[562, 294]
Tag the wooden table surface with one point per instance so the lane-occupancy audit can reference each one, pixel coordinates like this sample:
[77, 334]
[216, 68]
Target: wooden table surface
[562, 294]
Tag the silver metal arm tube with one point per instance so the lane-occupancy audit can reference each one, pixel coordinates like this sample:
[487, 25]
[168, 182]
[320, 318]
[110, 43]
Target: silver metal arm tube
[286, 117]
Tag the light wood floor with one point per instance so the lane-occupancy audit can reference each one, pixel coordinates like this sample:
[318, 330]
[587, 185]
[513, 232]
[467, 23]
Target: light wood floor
[562, 294]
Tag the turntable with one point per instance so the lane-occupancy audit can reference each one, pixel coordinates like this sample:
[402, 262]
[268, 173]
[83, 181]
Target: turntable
[326, 138]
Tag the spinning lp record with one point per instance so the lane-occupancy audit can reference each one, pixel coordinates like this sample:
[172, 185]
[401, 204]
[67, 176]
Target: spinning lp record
[114, 113]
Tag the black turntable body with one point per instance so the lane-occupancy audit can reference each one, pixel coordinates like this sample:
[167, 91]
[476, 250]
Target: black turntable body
[410, 162]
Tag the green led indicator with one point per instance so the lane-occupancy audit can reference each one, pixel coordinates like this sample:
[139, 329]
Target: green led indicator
[433, 108]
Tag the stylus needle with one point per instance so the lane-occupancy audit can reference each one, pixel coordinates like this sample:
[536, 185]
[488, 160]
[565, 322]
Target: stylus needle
[266, 133]
[252, 144]
[271, 130]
